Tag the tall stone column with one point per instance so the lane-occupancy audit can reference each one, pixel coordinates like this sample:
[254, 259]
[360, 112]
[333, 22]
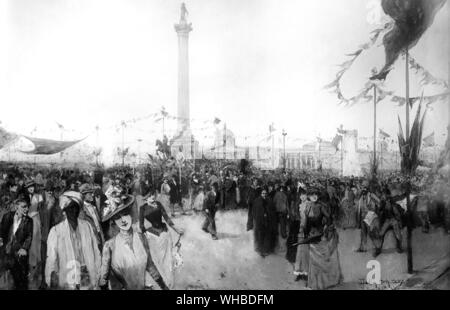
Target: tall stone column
[184, 140]
[183, 28]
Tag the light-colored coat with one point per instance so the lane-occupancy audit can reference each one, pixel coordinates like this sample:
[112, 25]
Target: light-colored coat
[61, 257]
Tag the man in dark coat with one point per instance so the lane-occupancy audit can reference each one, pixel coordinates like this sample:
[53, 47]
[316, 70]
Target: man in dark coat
[175, 197]
[16, 234]
[210, 204]
[293, 222]
[264, 224]
[253, 193]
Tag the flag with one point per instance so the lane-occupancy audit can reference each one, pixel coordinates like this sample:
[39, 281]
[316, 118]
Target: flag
[429, 140]
[336, 141]
[59, 126]
[216, 121]
[271, 128]
[341, 130]
[384, 134]
[412, 18]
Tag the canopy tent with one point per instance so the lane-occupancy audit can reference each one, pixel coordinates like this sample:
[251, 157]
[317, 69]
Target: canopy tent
[41, 146]
[49, 147]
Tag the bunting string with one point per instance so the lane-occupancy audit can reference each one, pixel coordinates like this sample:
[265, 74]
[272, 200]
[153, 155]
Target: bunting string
[365, 94]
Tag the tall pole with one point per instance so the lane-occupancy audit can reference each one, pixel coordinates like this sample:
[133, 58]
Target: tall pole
[61, 138]
[374, 127]
[139, 151]
[408, 204]
[123, 144]
[342, 156]
[97, 149]
[273, 150]
[225, 141]
[381, 154]
[284, 150]
[320, 144]
[448, 83]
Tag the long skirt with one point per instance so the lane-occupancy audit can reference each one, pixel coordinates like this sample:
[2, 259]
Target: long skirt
[302, 259]
[348, 215]
[198, 201]
[292, 238]
[324, 266]
[165, 201]
[161, 249]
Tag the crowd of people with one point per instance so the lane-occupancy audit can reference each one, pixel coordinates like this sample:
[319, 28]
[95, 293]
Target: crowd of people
[113, 229]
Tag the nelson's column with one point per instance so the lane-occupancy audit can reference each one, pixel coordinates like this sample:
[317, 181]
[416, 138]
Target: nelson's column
[184, 140]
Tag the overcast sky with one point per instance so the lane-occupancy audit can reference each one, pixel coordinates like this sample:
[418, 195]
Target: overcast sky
[84, 63]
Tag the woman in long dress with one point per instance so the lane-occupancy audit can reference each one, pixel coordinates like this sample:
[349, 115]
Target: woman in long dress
[164, 196]
[324, 266]
[199, 199]
[153, 221]
[126, 259]
[301, 266]
[348, 210]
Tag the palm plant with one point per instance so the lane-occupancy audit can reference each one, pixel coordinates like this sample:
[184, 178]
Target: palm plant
[410, 149]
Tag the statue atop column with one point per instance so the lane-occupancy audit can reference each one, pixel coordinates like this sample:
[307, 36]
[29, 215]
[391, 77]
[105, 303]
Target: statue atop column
[183, 26]
[184, 13]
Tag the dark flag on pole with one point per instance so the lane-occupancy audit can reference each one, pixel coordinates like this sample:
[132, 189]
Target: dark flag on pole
[412, 18]
[336, 141]
[383, 134]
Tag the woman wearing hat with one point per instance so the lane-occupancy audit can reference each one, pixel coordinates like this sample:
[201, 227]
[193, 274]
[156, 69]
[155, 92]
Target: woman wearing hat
[164, 196]
[159, 238]
[301, 266]
[126, 257]
[36, 202]
[324, 264]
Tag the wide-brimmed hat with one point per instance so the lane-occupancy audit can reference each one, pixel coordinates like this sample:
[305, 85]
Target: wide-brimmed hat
[114, 208]
[86, 188]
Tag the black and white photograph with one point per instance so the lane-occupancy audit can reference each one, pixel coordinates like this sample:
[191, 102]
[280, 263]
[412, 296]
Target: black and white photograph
[214, 145]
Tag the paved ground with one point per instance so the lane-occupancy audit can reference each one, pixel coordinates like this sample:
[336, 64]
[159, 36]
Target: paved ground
[231, 263]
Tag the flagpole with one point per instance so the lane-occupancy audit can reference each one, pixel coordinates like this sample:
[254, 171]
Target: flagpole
[374, 129]
[342, 156]
[448, 83]
[381, 154]
[273, 148]
[408, 205]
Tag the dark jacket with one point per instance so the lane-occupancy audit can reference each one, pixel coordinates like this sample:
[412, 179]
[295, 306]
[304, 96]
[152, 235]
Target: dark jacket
[210, 202]
[174, 192]
[23, 236]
